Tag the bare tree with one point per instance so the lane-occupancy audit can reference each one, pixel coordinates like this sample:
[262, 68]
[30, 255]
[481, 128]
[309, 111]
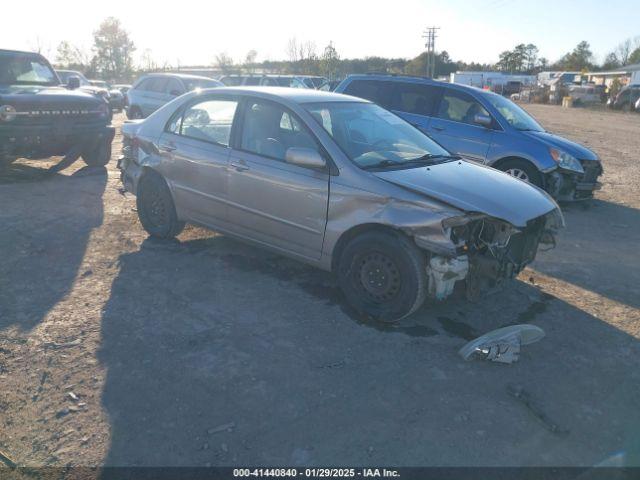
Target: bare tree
[224, 62]
[70, 56]
[147, 62]
[293, 50]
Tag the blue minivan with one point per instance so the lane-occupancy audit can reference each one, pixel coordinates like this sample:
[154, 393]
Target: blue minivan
[486, 128]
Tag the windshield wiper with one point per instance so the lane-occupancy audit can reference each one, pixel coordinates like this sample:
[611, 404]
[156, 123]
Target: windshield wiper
[432, 159]
[382, 164]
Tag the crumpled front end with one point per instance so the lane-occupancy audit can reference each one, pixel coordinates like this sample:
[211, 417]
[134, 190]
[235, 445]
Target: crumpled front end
[482, 250]
[567, 185]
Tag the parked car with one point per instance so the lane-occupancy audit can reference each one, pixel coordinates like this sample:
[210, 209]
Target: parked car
[329, 86]
[40, 118]
[263, 80]
[116, 97]
[153, 90]
[313, 81]
[337, 182]
[585, 94]
[637, 107]
[75, 79]
[486, 128]
[626, 98]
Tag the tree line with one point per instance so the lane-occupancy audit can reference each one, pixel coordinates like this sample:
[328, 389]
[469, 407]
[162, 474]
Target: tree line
[111, 58]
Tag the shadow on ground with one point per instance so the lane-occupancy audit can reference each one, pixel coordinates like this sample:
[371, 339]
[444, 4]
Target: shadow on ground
[218, 353]
[42, 248]
[598, 250]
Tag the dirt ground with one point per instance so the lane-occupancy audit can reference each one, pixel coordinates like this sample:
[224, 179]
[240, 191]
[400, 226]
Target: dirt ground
[120, 350]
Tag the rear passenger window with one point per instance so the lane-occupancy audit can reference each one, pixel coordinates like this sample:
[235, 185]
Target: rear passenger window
[460, 107]
[373, 90]
[145, 85]
[209, 121]
[416, 98]
[157, 85]
[252, 81]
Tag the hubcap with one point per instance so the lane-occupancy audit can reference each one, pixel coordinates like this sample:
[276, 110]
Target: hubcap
[379, 277]
[518, 173]
[157, 211]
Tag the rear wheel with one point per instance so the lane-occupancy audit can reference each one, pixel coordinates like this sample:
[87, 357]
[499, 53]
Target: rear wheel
[522, 170]
[156, 210]
[383, 275]
[99, 155]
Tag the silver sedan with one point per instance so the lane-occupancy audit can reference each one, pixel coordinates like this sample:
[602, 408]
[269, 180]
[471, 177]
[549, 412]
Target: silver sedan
[339, 183]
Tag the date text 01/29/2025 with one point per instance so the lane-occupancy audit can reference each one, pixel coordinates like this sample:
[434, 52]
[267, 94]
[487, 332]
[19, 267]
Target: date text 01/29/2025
[316, 472]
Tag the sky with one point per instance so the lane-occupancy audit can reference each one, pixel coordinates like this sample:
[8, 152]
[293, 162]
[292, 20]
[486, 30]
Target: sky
[193, 32]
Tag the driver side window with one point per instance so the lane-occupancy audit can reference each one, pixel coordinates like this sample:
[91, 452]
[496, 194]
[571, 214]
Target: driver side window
[270, 130]
[460, 107]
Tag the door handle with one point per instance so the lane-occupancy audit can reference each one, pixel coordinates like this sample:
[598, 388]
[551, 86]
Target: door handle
[438, 129]
[240, 167]
[168, 147]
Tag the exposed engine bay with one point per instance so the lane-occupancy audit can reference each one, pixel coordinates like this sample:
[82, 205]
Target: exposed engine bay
[487, 251]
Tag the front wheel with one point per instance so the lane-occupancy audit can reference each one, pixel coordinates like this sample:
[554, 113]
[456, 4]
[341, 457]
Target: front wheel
[522, 170]
[383, 275]
[99, 155]
[156, 210]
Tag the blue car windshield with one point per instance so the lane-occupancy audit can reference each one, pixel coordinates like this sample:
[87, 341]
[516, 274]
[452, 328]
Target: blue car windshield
[512, 113]
[373, 137]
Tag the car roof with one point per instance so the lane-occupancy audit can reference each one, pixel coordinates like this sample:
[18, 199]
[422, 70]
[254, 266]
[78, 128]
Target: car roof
[21, 52]
[415, 79]
[185, 76]
[295, 95]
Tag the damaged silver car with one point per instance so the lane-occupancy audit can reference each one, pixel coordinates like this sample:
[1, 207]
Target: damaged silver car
[339, 183]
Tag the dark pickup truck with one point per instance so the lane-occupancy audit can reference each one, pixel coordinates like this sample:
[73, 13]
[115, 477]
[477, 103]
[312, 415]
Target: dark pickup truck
[40, 118]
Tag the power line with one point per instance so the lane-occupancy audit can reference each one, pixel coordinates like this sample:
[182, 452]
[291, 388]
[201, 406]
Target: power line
[430, 36]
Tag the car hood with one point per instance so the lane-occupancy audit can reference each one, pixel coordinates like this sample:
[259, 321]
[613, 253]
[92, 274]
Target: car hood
[475, 188]
[572, 148]
[33, 95]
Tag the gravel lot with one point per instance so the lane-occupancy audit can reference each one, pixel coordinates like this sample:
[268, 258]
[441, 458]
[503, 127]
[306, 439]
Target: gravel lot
[120, 350]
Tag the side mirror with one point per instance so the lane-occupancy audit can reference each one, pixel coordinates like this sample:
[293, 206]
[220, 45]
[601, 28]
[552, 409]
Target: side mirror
[73, 82]
[484, 120]
[175, 93]
[305, 157]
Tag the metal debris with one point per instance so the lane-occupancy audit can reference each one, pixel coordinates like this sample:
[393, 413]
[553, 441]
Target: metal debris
[6, 459]
[502, 345]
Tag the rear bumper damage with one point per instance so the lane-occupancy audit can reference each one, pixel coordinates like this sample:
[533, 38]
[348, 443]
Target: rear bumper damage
[484, 252]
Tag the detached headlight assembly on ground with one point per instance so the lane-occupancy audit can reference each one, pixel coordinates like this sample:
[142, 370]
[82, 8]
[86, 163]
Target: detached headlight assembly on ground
[566, 161]
[7, 113]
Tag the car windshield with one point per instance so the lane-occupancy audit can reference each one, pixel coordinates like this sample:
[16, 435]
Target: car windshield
[512, 113]
[373, 137]
[17, 69]
[65, 75]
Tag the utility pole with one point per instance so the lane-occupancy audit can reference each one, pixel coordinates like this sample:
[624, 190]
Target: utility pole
[430, 36]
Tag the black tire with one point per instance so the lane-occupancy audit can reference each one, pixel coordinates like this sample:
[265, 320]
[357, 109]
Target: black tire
[529, 173]
[393, 267]
[626, 107]
[156, 210]
[99, 155]
[134, 113]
